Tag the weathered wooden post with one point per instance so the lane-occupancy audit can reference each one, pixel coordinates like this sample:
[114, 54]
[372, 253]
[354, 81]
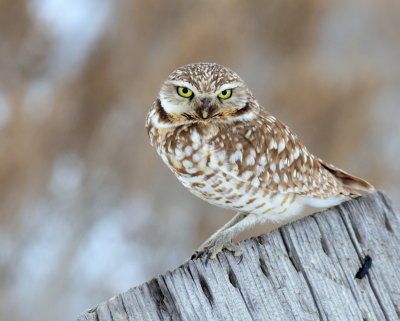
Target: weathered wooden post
[303, 271]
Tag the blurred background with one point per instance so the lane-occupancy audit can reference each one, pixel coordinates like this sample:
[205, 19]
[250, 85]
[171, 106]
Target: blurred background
[87, 208]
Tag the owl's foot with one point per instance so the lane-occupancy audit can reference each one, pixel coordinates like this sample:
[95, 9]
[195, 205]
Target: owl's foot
[211, 249]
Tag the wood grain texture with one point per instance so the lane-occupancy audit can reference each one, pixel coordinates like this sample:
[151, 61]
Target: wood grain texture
[303, 271]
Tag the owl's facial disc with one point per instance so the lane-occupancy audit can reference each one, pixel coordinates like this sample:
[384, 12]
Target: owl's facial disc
[176, 97]
[183, 102]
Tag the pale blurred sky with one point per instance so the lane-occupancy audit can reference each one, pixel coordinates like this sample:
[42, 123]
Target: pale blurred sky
[75, 25]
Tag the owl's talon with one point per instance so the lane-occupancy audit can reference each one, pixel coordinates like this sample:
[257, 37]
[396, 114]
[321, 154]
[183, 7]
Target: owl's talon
[219, 246]
[210, 251]
[207, 258]
[240, 258]
[197, 254]
[234, 249]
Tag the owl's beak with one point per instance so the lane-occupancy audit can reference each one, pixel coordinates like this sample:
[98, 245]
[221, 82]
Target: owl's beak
[205, 109]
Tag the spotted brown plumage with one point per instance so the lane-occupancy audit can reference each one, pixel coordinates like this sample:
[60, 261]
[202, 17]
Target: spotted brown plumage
[232, 153]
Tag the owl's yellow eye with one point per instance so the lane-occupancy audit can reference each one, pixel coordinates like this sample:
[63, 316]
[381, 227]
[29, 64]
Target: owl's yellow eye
[225, 94]
[184, 92]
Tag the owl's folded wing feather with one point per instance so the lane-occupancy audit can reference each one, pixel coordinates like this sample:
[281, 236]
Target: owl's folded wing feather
[353, 185]
[269, 156]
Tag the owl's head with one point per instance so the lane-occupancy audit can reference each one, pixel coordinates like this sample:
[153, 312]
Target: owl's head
[205, 92]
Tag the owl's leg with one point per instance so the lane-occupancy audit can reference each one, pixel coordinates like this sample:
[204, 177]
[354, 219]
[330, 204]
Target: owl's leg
[222, 239]
[236, 219]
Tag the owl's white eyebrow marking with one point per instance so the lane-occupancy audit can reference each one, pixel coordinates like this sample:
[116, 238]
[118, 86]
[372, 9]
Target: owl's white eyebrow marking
[231, 85]
[181, 83]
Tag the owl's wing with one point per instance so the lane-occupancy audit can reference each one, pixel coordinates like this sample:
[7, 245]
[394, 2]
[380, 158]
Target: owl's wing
[267, 154]
[353, 185]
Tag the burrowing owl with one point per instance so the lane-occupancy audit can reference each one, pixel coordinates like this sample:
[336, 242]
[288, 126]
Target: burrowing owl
[212, 133]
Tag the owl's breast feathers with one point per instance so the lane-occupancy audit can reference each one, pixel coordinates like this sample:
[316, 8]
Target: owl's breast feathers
[262, 154]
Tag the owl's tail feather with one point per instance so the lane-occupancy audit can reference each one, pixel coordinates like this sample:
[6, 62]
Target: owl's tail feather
[352, 185]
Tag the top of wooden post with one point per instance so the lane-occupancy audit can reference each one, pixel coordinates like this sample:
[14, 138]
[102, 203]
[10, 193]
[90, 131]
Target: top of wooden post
[302, 271]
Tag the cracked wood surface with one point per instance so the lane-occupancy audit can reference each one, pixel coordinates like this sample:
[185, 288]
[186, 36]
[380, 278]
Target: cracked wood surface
[303, 271]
